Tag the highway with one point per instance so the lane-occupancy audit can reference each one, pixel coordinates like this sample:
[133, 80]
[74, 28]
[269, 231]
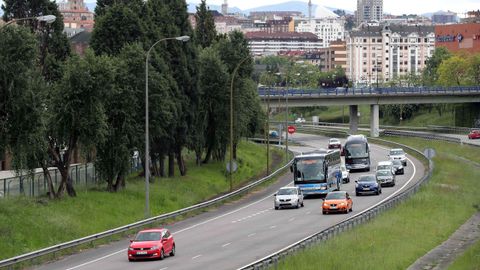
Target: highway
[238, 233]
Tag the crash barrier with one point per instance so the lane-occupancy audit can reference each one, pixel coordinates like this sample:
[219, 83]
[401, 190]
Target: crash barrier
[429, 136]
[272, 260]
[122, 229]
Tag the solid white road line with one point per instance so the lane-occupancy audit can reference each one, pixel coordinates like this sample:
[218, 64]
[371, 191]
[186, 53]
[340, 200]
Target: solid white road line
[96, 260]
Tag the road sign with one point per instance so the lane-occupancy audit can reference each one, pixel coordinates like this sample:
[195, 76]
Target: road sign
[291, 129]
[234, 166]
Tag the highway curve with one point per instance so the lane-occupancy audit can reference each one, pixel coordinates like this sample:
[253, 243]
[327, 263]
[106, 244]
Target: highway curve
[239, 233]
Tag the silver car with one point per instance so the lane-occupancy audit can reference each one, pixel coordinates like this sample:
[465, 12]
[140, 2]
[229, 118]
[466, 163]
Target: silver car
[288, 197]
[398, 154]
[385, 178]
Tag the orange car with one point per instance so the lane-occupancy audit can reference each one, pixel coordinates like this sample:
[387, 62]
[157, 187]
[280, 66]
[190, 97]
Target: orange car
[337, 201]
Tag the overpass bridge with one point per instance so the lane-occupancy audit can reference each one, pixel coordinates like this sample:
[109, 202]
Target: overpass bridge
[283, 97]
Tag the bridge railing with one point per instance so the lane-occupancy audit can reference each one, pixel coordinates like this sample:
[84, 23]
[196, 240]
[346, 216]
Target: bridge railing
[341, 91]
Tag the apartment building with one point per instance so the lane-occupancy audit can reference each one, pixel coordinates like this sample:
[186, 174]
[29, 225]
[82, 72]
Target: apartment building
[369, 10]
[263, 43]
[327, 29]
[380, 53]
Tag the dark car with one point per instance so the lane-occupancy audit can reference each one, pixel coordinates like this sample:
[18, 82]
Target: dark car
[367, 184]
[398, 166]
[474, 134]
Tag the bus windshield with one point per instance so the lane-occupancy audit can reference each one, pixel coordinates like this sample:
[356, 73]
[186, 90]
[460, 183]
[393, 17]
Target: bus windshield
[356, 150]
[310, 169]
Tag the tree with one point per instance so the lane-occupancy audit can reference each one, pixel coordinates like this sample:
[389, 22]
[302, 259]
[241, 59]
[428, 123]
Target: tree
[124, 127]
[430, 75]
[205, 32]
[213, 82]
[473, 72]
[77, 112]
[103, 6]
[21, 103]
[117, 26]
[453, 71]
[54, 45]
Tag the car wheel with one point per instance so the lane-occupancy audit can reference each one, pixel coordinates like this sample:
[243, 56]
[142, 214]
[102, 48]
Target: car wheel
[162, 254]
[323, 212]
[357, 194]
[172, 252]
[302, 204]
[351, 208]
[130, 260]
[276, 207]
[298, 205]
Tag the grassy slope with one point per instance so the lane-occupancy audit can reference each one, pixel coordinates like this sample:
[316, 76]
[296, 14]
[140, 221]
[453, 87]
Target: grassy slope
[29, 224]
[398, 237]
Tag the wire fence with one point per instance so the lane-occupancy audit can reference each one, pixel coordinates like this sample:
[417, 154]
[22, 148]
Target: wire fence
[83, 176]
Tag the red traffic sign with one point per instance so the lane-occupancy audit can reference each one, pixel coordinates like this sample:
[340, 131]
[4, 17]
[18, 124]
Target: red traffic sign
[291, 129]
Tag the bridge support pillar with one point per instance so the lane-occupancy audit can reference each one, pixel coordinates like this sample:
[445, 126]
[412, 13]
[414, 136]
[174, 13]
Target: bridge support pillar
[353, 119]
[374, 120]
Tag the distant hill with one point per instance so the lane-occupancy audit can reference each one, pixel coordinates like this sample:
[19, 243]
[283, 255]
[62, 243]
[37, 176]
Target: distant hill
[192, 8]
[291, 6]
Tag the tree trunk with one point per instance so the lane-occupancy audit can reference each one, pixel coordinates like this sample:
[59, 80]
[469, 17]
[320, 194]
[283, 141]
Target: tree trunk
[208, 155]
[181, 162]
[110, 186]
[171, 165]
[70, 189]
[120, 183]
[234, 154]
[162, 166]
[51, 189]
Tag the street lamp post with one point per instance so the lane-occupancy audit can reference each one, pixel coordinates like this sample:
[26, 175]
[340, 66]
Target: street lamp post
[231, 120]
[147, 145]
[47, 19]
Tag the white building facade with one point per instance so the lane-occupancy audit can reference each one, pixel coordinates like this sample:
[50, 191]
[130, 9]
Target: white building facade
[381, 53]
[326, 29]
[262, 43]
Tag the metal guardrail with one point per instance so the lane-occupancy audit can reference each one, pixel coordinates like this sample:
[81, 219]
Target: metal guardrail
[429, 136]
[383, 91]
[347, 224]
[77, 242]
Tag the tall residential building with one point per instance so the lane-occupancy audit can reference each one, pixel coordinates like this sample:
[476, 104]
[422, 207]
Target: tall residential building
[380, 53]
[442, 17]
[326, 29]
[369, 10]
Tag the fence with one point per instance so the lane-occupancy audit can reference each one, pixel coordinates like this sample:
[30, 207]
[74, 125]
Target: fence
[82, 175]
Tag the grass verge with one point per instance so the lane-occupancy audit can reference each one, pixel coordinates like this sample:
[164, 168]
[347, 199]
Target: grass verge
[470, 260]
[398, 237]
[28, 224]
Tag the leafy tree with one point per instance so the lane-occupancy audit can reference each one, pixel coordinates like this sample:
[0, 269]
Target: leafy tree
[123, 127]
[103, 6]
[54, 45]
[77, 112]
[452, 71]
[205, 32]
[430, 75]
[213, 82]
[118, 25]
[21, 107]
[473, 72]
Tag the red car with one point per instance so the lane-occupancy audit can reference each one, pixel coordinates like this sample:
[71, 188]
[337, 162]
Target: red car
[474, 134]
[151, 243]
[334, 143]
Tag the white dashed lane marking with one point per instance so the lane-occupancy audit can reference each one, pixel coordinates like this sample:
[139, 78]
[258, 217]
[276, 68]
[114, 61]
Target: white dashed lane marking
[250, 216]
[252, 234]
[226, 244]
[198, 256]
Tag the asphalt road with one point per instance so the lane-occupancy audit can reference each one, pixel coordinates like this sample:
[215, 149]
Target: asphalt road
[241, 232]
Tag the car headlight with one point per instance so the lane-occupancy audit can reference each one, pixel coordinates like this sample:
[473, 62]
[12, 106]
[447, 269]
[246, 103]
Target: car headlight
[325, 204]
[130, 248]
[342, 204]
[154, 247]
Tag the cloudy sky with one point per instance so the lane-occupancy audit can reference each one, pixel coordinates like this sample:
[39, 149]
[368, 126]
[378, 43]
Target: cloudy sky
[390, 6]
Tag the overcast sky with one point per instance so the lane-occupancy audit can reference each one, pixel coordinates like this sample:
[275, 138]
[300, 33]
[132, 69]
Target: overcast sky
[396, 7]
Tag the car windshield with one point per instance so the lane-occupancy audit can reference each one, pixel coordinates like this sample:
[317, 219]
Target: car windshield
[335, 196]
[356, 150]
[396, 152]
[367, 178]
[148, 236]
[383, 167]
[384, 173]
[397, 162]
[287, 191]
[310, 169]
[334, 141]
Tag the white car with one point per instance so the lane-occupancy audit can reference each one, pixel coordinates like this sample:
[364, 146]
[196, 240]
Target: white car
[345, 174]
[300, 120]
[398, 154]
[385, 165]
[288, 197]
